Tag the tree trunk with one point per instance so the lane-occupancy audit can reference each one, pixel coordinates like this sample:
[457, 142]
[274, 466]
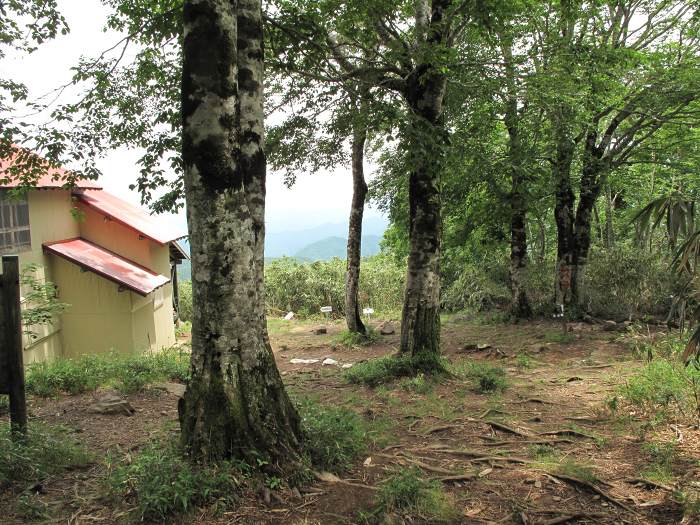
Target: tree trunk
[427, 139]
[564, 219]
[357, 208]
[235, 404]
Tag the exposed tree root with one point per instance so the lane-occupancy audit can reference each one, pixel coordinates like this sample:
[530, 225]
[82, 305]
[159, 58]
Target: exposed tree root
[506, 428]
[593, 488]
[567, 432]
[566, 518]
[649, 483]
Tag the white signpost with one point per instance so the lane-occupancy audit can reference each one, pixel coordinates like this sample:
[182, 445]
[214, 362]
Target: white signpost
[327, 310]
[368, 312]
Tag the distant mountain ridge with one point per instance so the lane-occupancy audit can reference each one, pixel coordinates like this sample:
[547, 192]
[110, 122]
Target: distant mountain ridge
[330, 247]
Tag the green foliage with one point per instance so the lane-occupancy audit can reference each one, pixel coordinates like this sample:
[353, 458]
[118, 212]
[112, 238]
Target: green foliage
[524, 361]
[661, 456]
[304, 287]
[558, 336]
[30, 508]
[334, 437]
[184, 293]
[664, 387]
[385, 369]
[348, 338]
[485, 378]
[127, 373]
[407, 492]
[41, 300]
[419, 384]
[43, 452]
[162, 482]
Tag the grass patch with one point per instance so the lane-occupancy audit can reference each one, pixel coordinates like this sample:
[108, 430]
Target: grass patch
[663, 388]
[548, 458]
[386, 369]
[43, 452]
[419, 384]
[335, 436]
[661, 456]
[485, 378]
[558, 336]
[126, 373]
[350, 339]
[407, 492]
[161, 482]
[524, 362]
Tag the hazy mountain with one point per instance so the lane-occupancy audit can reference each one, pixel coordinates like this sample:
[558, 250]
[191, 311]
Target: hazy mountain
[336, 247]
[312, 244]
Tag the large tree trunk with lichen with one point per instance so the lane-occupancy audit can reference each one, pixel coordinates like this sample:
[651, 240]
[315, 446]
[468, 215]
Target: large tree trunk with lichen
[425, 91]
[354, 254]
[564, 220]
[235, 404]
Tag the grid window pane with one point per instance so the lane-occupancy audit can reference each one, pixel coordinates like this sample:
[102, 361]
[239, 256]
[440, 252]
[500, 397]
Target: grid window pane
[14, 224]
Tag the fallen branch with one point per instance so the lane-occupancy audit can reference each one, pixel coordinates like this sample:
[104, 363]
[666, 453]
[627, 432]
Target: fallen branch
[526, 442]
[570, 517]
[567, 432]
[459, 477]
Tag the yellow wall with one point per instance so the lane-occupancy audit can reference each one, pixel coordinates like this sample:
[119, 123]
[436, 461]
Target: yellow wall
[99, 318]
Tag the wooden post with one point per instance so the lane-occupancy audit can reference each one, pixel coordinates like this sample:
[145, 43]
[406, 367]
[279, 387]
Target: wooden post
[11, 344]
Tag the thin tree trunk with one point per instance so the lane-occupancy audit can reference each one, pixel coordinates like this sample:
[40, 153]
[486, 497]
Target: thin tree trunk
[357, 208]
[609, 211]
[519, 306]
[564, 219]
[235, 404]
[420, 319]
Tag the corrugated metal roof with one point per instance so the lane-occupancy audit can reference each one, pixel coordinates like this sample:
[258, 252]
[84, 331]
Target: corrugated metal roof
[155, 228]
[52, 178]
[107, 264]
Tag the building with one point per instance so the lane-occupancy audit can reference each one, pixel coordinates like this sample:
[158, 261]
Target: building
[112, 263]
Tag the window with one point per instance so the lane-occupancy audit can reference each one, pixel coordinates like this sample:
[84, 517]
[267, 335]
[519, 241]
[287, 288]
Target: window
[14, 224]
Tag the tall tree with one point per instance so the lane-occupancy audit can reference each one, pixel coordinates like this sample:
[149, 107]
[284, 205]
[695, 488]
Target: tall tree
[235, 404]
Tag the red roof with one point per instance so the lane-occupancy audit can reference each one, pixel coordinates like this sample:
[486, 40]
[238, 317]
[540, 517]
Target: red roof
[107, 264]
[51, 178]
[154, 228]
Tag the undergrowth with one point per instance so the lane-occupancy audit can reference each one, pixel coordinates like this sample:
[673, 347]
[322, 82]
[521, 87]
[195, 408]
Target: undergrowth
[661, 457]
[334, 436]
[485, 378]
[160, 482]
[126, 373]
[43, 452]
[348, 338]
[408, 493]
[386, 369]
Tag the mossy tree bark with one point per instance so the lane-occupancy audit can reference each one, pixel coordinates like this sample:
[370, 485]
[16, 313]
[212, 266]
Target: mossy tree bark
[426, 142]
[357, 208]
[235, 404]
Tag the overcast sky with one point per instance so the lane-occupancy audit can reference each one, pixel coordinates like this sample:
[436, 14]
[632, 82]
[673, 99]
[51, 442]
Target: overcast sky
[315, 199]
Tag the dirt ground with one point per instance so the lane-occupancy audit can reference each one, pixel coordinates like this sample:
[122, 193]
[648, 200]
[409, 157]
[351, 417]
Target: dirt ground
[480, 446]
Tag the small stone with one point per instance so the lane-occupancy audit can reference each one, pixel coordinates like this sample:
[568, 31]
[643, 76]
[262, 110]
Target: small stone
[538, 484]
[387, 328]
[177, 389]
[299, 361]
[320, 330]
[609, 326]
[111, 403]
[556, 498]
[346, 365]
[329, 361]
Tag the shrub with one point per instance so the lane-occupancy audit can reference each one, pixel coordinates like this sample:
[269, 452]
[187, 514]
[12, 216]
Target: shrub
[661, 456]
[184, 294]
[127, 373]
[407, 492]
[664, 386]
[43, 452]
[303, 288]
[162, 482]
[334, 437]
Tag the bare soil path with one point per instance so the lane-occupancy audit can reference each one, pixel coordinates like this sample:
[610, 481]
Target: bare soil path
[546, 450]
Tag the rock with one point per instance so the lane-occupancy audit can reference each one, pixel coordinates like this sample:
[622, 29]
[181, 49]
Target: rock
[346, 365]
[386, 328]
[609, 326]
[329, 361]
[297, 361]
[176, 389]
[320, 330]
[111, 403]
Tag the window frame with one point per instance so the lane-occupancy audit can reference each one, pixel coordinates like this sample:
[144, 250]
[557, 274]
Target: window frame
[10, 211]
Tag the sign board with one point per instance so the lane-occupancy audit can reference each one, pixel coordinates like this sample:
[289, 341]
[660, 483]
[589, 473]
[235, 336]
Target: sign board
[289, 316]
[368, 311]
[326, 309]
